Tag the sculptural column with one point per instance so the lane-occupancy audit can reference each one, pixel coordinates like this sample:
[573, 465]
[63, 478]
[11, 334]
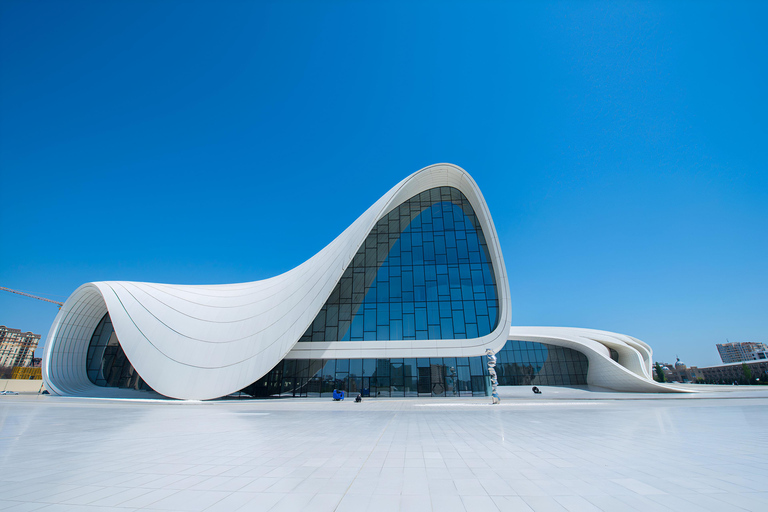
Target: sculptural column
[494, 380]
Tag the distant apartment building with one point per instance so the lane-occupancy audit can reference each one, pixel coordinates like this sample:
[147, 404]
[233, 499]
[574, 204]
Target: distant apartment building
[742, 351]
[735, 373]
[729, 373]
[17, 348]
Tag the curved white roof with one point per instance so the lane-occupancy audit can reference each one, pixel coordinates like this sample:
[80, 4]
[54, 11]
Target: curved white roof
[202, 342]
[632, 372]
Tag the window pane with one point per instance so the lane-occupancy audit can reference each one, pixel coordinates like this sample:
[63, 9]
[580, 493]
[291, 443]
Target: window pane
[413, 256]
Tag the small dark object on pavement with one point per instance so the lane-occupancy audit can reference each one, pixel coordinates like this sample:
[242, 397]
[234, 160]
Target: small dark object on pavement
[536, 390]
[358, 398]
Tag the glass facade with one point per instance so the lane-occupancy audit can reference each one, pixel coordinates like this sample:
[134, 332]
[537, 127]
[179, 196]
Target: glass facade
[518, 363]
[424, 272]
[526, 363]
[435, 376]
[106, 363]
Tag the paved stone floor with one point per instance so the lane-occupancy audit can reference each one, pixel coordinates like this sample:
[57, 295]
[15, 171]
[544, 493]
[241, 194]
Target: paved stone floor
[563, 450]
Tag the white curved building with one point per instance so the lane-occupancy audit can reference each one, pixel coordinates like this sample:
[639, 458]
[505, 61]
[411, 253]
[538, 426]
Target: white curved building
[403, 303]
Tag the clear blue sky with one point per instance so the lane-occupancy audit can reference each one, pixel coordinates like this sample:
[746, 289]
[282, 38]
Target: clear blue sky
[622, 149]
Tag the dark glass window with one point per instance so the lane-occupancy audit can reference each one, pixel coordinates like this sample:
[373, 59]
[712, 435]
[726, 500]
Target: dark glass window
[423, 272]
[525, 363]
[519, 363]
[106, 364]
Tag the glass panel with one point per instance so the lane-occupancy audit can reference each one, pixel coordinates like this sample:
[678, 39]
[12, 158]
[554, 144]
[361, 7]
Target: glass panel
[425, 253]
[518, 363]
[106, 364]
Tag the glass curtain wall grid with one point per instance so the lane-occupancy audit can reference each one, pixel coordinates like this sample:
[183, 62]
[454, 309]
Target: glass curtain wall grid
[518, 363]
[424, 272]
[527, 363]
[106, 363]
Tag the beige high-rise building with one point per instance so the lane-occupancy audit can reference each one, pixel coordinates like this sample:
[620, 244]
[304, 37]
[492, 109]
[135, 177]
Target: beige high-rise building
[16, 347]
[742, 351]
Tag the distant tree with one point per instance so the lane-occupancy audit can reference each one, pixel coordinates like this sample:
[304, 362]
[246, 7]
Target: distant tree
[747, 373]
[660, 377]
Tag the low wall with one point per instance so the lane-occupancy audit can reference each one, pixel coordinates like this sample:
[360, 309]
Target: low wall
[21, 385]
[27, 373]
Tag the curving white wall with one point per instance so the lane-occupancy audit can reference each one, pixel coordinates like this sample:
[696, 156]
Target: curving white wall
[631, 373]
[202, 342]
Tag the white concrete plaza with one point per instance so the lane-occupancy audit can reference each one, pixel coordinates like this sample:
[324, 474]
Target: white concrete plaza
[563, 450]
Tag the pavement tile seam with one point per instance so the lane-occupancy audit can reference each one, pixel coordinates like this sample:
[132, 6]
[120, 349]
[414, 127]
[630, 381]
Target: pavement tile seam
[315, 455]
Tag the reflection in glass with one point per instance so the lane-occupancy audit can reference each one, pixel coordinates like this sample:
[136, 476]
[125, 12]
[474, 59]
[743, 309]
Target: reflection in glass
[423, 272]
[519, 363]
[106, 364]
